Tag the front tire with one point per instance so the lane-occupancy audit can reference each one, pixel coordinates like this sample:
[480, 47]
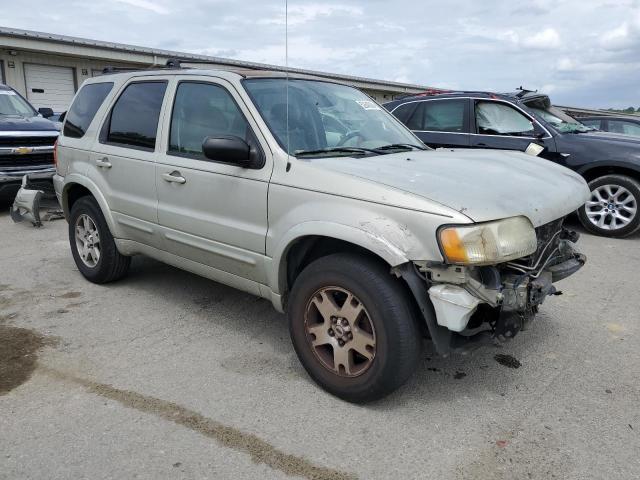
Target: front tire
[92, 244]
[612, 210]
[352, 325]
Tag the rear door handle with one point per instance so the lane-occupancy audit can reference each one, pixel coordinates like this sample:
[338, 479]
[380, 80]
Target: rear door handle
[103, 163]
[174, 177]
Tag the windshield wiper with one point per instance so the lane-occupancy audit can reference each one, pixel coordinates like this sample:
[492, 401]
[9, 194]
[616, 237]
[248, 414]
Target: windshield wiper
[337, 150]
[394, 146]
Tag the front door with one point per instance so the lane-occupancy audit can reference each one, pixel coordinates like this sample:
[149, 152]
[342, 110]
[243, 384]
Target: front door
[212, 213]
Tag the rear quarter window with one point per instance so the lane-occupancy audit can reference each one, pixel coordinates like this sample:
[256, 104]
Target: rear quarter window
[84, 108]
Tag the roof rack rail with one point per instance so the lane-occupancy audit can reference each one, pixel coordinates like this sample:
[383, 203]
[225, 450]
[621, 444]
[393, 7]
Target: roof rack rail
[111, 69]
[173, 63]
[523, 91]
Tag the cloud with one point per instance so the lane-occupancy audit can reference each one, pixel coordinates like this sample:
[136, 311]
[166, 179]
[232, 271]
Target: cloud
[147, 5]
[583, 56]
[547, 39]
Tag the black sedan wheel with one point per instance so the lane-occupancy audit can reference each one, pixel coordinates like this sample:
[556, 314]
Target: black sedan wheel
[612, 210]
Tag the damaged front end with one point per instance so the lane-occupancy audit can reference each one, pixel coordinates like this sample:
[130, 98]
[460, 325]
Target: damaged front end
[466, 306]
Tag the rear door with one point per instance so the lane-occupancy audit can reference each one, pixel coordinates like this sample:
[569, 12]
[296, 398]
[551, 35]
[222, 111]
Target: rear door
[437, 122]
[500, 125]
[210, 212]
[122, 162]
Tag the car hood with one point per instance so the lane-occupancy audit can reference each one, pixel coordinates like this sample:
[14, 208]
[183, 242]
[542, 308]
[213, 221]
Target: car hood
[17, 123]
[482, 184]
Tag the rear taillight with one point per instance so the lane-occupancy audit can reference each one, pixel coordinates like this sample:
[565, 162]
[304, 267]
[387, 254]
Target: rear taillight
[55, 153]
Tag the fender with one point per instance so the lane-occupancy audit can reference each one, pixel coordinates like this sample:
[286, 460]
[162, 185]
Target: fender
[75, 178]
[612, 164]
[391, 251]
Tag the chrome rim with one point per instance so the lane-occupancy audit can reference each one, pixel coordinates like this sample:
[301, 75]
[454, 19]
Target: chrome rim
[87, 240]
[340, 332]
[611, 207]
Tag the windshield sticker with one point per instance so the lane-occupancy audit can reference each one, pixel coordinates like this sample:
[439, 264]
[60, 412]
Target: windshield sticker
[7, 92]
[367, 105]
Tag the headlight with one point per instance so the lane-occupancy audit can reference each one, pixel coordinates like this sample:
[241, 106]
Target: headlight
[488, 243]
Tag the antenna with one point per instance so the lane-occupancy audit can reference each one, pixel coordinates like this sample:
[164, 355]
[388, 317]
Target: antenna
[286, 66]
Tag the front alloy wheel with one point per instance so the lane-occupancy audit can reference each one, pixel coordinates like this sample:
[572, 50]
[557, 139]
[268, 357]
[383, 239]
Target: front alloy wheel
[612, 210]
[340, 331]
[353, 326]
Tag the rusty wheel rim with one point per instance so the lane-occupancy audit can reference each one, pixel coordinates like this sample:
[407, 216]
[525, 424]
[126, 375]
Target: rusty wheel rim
[340, 332]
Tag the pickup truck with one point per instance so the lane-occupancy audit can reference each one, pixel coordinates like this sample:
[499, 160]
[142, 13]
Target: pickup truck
[26, 145]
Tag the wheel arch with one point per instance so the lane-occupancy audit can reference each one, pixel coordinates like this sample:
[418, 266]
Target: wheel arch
[312, 240]
[601, 169]
[76, 187]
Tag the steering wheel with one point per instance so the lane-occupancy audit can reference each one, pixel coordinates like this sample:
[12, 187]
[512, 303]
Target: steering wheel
[348, 136]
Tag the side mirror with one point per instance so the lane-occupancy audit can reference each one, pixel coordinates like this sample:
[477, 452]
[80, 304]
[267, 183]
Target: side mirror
[228, 149]
[45, 112]
[538, 131]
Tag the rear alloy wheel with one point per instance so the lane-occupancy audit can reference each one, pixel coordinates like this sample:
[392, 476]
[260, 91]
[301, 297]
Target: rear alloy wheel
[92, 245]
[353, 326]
[612, 210]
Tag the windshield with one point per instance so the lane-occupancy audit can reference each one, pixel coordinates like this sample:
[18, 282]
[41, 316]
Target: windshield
[556, 117]
[13, 104]
[326, 118]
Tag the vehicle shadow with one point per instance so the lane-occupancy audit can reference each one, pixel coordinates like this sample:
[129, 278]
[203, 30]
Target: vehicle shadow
[253, 319]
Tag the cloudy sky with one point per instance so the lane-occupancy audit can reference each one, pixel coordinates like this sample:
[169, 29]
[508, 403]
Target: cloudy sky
[581, 52]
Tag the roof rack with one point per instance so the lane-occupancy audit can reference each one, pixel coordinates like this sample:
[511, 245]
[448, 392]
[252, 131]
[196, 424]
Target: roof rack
[170, 64]
[523, 91]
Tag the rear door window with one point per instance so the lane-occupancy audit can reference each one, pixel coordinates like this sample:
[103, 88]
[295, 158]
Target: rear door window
[496, 118]
[592, 123]
[439, 116]
[134, 117]
[84, 108]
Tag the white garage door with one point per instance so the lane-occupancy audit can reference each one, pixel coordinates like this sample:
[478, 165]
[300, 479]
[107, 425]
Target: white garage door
[49, 86]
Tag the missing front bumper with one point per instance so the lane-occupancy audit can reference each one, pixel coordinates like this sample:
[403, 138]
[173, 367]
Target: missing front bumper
[465, 308]
[29, 199]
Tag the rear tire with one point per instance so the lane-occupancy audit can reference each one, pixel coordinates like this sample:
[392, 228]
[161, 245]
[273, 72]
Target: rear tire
[92, 244]
[612, 210]
[374, 320]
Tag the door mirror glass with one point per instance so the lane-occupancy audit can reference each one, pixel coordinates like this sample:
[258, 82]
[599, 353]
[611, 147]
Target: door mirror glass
[46, 112]
[227, 149]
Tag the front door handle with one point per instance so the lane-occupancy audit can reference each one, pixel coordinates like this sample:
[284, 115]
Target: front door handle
[174, 177]
[103, 163]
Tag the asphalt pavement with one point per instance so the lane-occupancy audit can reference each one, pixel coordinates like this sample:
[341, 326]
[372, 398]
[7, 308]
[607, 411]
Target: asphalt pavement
[168, 375]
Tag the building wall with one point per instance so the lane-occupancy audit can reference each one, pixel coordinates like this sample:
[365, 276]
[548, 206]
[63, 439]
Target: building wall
[83, 68]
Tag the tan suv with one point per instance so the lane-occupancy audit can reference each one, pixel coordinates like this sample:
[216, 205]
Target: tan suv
[309, 194]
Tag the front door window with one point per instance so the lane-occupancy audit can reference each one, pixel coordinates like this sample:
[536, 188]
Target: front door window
[496, 118]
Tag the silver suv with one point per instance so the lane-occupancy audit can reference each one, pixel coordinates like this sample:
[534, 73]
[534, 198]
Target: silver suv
[307, 193]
